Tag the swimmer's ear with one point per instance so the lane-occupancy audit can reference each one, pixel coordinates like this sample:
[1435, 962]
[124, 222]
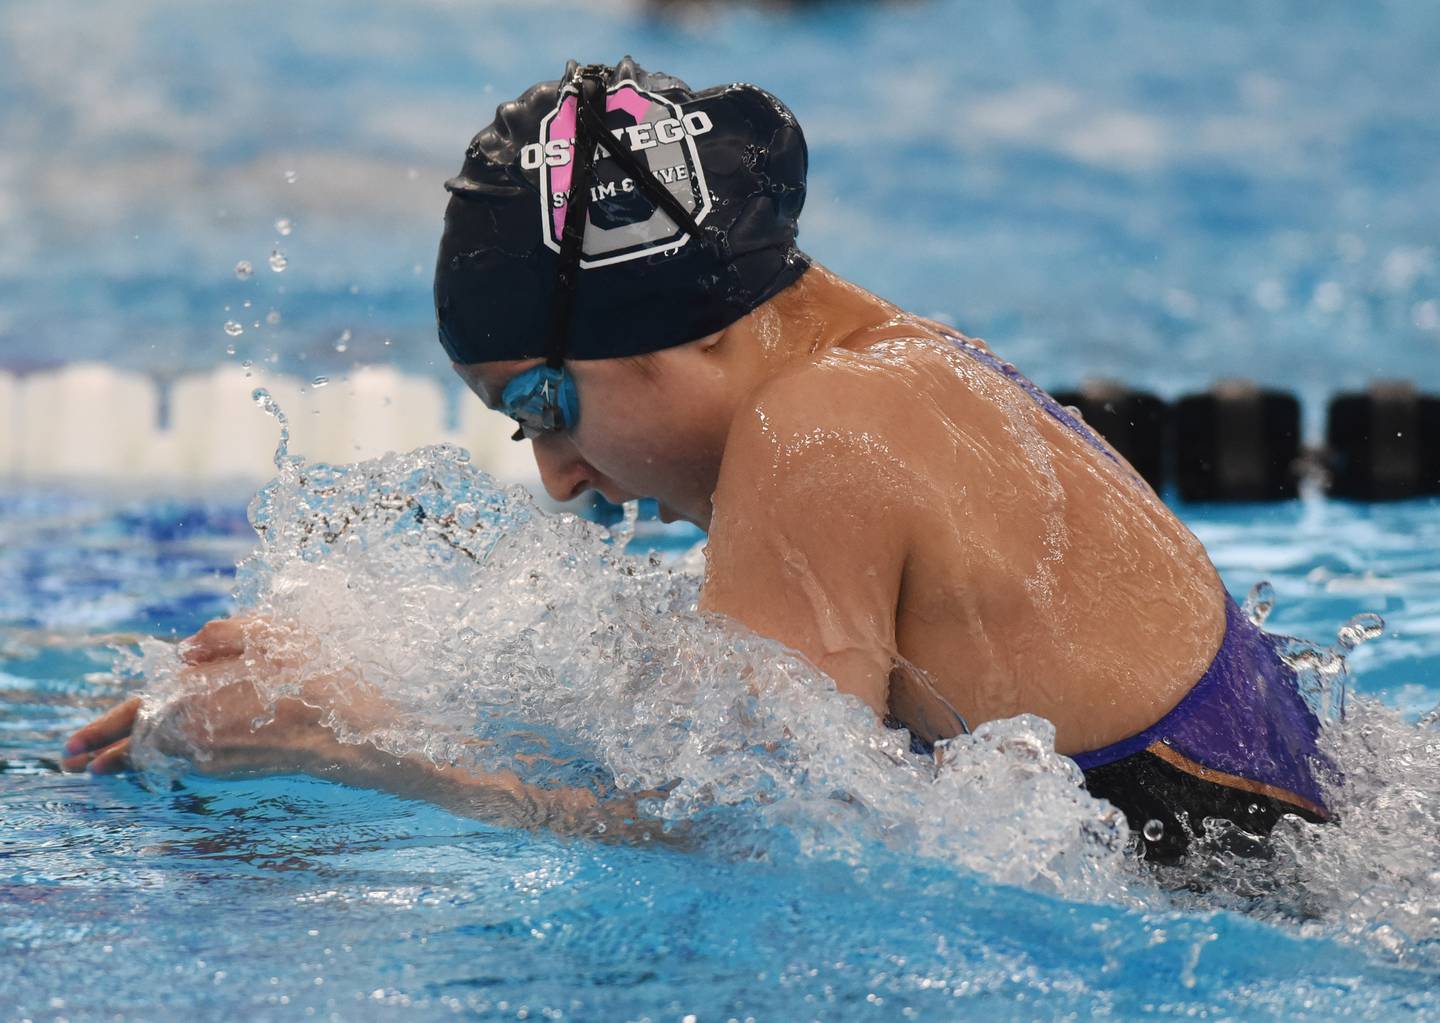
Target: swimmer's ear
[710, 342]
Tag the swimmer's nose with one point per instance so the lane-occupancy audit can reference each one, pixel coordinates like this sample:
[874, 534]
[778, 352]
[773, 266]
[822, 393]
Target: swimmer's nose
[565, 474]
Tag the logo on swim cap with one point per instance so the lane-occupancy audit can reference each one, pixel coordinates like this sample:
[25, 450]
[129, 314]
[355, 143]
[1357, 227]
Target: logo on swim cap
[623, 222]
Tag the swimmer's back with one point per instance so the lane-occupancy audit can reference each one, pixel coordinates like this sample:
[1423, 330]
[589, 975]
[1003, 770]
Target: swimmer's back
[1042, 575]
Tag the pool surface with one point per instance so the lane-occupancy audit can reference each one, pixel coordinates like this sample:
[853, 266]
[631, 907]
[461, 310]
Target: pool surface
[290, 897]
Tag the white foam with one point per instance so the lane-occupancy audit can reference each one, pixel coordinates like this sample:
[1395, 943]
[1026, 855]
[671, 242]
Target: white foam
[480, 617]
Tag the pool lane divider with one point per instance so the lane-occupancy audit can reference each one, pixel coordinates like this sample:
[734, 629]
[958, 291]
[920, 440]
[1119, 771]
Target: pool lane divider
[94, 422]
[1236, 441]
[1241, 442]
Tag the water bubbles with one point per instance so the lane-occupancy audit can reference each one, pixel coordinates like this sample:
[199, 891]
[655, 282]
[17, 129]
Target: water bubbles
[234, 328]
[319, 381]
[291, 177]
[278, 262]
[342, 343]
[229, 349]
[1153, 830]
[1260, 602]
[244, 270]
[246, 366]
[273, 317]
[1360, 629]
[283, 227]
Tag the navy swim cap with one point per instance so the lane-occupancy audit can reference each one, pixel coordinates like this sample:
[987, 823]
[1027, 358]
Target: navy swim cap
[654, 270]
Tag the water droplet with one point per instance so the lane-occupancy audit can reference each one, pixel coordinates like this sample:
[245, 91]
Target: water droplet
[1360, 629]
[291, 177]
[283, 226]
[387, 342]
[342, 343]
[271, 407]
[246, 304]
[1153, 830]
[1260, 602]
[229, 349]
[319, 381]
[278, 262]
[233, 329]
[272, 317]
[244, 270]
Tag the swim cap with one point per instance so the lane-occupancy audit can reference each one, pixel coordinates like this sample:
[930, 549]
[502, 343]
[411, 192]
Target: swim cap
[732, 160]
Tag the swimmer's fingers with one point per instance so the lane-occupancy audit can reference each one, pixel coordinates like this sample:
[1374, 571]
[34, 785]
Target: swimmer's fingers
[112, 759]
[98, 737]
[217, 640]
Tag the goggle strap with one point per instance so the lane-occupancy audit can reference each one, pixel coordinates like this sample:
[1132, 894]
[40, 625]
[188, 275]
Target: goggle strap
[577, 212]
[590, 130]
[621, 153]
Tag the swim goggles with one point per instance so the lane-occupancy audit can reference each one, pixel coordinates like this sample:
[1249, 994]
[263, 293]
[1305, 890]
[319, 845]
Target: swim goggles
[543, 398]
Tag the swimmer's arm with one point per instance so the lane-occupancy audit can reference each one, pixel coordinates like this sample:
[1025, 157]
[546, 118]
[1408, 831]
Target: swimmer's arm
[808, 540]
[300, 737]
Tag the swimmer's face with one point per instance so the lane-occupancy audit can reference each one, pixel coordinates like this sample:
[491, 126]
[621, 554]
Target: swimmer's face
[655, 429]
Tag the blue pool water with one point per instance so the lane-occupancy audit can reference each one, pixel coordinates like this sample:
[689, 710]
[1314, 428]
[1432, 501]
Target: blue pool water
[293, 897]
[1163, 195]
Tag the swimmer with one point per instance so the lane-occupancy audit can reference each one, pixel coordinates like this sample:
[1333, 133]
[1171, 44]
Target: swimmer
[618, 274]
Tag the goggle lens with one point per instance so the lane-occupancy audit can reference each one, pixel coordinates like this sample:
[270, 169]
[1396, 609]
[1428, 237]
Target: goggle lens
[542, 400]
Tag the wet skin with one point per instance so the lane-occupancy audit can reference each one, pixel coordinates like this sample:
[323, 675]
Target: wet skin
[902, 515]
[883, 503]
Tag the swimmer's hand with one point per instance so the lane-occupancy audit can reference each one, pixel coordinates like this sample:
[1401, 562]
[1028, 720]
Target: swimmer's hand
[217, 718]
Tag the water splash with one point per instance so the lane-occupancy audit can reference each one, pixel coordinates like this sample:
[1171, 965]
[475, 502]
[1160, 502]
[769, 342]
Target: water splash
[1259, 602]
[509, 638]
[1324, 672]
[283, 461]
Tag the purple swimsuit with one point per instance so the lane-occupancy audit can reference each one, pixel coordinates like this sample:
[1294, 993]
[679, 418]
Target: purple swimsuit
[1240, 746]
